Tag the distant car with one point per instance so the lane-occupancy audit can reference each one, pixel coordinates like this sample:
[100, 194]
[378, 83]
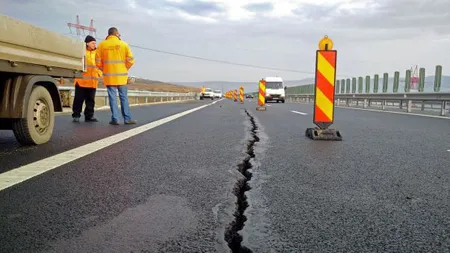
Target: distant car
[208, 93]
[249, 96]
[218, 94]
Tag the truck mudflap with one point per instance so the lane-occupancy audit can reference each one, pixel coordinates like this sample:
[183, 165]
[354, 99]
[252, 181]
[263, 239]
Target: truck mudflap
[29, 103]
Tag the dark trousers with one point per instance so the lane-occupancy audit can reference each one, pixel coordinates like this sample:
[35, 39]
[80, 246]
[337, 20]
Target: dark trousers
[83, 95]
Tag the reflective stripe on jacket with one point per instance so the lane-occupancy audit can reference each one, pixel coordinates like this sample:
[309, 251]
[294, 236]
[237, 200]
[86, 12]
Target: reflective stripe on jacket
[92, 75]
[114, 58]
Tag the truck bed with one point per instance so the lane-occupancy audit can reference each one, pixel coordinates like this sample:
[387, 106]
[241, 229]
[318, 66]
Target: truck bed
[35, 50]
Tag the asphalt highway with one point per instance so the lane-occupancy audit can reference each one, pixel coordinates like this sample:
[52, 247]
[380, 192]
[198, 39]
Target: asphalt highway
[384, 188]
[68, 135]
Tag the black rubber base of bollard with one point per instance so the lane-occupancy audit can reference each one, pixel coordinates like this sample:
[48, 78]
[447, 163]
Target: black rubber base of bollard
[318, 134]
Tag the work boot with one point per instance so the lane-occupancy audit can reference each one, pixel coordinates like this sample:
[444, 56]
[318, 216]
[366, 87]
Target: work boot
[130, 122]
[114, 123]
[91, 120]
[76, 119]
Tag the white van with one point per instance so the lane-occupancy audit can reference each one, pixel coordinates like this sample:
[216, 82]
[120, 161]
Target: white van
[275, 90]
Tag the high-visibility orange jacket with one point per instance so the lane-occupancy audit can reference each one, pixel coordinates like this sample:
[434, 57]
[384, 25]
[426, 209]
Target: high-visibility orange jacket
[92, 75]
[114, 58]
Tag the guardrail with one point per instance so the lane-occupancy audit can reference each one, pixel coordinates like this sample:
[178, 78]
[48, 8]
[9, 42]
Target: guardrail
[439, 102]
[134, 96]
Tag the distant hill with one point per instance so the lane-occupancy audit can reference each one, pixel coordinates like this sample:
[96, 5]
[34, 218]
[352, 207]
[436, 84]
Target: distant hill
[253, 86]
[144, 84]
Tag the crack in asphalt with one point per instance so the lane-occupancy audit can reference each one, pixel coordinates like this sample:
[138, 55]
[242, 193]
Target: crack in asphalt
[232, 236]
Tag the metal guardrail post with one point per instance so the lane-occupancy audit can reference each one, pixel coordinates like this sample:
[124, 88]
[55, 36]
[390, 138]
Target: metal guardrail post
[385, 82]
[437, 78]
[421, 79]
[409, 106]
[443, 108]
[396, 81]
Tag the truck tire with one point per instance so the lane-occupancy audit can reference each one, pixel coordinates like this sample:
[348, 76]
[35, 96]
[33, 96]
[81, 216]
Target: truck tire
[37, 127]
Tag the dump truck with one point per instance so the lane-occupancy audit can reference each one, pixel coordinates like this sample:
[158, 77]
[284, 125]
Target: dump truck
[32, 60]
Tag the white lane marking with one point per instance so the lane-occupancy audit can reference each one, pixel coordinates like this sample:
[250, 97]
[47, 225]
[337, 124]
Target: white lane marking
[301, 113]
[403, 113]
[23, 173]
[268, 105]
[448, 150]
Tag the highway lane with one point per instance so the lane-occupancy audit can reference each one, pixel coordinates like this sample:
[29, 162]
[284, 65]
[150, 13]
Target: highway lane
[68, 135]
[165, 190]
[385, 188]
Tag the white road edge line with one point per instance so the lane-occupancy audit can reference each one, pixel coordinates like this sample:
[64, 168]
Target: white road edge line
[301, 113]
[403, 113]
[23, 173]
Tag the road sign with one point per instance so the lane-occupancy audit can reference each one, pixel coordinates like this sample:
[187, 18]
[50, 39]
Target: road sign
[325, 91]
[261, 96]
[241, 94]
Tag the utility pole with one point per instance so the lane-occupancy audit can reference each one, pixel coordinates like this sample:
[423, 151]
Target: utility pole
[79, 27]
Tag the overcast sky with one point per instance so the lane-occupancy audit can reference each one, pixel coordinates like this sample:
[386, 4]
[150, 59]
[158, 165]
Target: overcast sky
[370, 36]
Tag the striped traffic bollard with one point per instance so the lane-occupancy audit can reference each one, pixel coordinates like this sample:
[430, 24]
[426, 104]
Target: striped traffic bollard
[262, 96]
[324, 93]
[235, 95]
[241, 94]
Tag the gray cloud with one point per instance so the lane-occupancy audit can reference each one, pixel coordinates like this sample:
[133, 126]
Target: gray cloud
[316, 12]
[259, 7]
[24, 1]
[197, 8]
[433, 15]
[366, 38]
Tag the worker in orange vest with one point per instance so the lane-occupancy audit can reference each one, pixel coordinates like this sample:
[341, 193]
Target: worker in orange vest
[86, 87]
[114, 58]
